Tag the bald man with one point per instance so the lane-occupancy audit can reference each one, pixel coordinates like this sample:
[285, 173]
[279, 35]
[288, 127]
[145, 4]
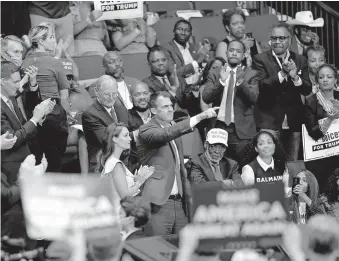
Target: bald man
[114, 67]
[103, 112]
[139, 115]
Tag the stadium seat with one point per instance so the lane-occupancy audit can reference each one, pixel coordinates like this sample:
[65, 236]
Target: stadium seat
[210, 27]
[192, 144]
[164, 29]
[136, 66]
[260, 26]
[166, 6]
[214, 5]
[90, 67]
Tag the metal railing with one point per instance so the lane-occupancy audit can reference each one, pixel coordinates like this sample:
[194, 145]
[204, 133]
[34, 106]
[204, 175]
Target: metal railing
[329, 34]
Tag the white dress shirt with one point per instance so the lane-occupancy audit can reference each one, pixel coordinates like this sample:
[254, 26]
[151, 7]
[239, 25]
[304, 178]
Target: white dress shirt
[185, 52]
[109, 111]
[124, 93]
[221, 115]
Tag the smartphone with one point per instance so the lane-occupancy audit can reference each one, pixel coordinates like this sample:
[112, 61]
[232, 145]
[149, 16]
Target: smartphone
[249, 35]
[295, 182]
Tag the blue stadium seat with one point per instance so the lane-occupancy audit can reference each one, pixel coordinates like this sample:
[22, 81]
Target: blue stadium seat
[90, 67]
[164, 29]
[214, 5]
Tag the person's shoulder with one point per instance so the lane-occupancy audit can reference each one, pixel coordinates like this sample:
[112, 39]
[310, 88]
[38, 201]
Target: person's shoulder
[229, 161]
[168, 45]
[312, 98]
[131, 80]
[262, 55]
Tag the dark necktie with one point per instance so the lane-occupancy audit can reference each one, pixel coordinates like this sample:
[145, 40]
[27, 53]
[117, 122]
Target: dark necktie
[229, 100]
[217, 172]
[164, 81]
[11, 106]
[113, 115]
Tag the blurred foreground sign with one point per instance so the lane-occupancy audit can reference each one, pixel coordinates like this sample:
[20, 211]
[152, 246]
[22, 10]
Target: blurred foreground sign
[239, 218]
[119, 9]
[57, 204]
[325, 147]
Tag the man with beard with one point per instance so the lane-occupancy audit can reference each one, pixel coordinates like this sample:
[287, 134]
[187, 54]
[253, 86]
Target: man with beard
[233, 89]
[212, 166]
[139, 115]
[304, 37]
[165, 79]
[114, 67]
[279, 108]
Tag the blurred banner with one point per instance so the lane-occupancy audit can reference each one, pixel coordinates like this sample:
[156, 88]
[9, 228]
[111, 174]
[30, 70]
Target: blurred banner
[119, 9]
[251, 217]
[325, 147]
[56, 205]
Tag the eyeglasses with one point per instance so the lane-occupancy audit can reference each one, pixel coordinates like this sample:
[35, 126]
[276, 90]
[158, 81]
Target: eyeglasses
[281, 38]
[158, 61]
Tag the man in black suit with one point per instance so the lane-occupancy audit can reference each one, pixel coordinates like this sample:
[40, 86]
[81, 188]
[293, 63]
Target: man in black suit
[103, 112]
[279, 108]
[163, 78]
[139, 115]
[235, 90]
[12, 121]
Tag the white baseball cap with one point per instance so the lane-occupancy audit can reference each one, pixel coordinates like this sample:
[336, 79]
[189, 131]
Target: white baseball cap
[217, 135]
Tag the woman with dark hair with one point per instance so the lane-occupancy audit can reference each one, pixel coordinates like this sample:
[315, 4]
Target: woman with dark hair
[134, 215]
[234, 23]
[303, 199]
[264, 161]
[53, 84]
[322, 110]
[116, 144]
[331, 195]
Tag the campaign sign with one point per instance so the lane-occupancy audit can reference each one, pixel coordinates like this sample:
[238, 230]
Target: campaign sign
[119, 9]
[57, 204]
[325, 147]
[250, 217]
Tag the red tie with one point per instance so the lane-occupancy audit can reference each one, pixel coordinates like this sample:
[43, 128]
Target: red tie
[229, 100]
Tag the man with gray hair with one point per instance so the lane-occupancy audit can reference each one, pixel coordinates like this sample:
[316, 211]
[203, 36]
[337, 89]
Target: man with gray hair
[99, 115]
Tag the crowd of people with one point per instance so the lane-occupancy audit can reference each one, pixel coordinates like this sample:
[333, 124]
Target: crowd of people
[247, 105]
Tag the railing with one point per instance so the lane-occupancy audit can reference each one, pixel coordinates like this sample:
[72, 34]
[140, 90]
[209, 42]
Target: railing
[329, 34]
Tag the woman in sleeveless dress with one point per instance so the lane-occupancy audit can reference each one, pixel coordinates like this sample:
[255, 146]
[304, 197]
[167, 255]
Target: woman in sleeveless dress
[115, 147]
[264, 161]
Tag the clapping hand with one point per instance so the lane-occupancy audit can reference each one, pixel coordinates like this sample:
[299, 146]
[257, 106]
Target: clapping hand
[292, 69]
[315, 39]
[152, 19]
[333, 115]
[174, 77]
[61, 48]
[32, 72]
[335, 104]
[143, 174]
[224, 73]
[203, 52]
[7, 142]
[95, 14]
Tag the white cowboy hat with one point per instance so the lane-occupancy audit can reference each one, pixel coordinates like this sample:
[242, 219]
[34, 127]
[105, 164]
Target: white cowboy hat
[306, 18]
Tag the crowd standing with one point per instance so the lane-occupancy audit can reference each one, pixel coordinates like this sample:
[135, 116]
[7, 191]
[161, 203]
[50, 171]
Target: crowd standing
[247, 105]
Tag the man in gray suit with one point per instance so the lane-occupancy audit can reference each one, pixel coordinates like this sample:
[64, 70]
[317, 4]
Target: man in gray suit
[160, 145]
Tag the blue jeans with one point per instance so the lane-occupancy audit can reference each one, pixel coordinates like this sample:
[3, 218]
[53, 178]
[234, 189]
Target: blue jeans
[290, 142]
[166, 219]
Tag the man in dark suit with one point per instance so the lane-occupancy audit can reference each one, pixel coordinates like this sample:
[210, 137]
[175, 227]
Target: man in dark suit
[186, 56]
[212, 166]
[113, 64]
[235, 90]
[163, 78]
[279, 107]
[160, 145]
[12, 121]
[139, 115]
[103, 112]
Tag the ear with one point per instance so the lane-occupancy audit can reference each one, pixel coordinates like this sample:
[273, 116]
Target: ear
[205, 145]
[115, 139]
[256, 149]
[153, 111]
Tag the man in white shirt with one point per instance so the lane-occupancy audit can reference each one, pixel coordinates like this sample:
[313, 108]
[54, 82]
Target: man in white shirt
[233, 90]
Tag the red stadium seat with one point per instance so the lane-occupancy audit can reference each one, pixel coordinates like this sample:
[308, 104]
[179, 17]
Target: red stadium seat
[164, 29]
[90, 67]
[166, 6]
[136, 66]
[214, 5]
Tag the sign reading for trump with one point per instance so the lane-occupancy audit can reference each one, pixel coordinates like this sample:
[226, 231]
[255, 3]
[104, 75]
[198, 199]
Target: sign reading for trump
[119, 9]
[325, 147]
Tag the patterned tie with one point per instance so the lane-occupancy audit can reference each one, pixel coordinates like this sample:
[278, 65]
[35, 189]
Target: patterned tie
[113, 115]
[11, 106]
[217, 172]
[229, 100]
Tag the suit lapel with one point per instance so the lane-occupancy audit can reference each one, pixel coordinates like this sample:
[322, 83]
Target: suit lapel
[103, 112]
[177, 51]
[272, 60]
[156, 81]
[18, 111]
[210, 173]
[9, 112]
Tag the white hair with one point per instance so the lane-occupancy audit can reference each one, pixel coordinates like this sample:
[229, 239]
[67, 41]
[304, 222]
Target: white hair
[105, 79]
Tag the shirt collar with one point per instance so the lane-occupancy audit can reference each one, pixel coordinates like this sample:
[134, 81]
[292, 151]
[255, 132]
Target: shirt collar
[126, 235]
[107, 109]
[181, 47]
[286, 56]
[4, 98]
[264, 165]
[160, 77]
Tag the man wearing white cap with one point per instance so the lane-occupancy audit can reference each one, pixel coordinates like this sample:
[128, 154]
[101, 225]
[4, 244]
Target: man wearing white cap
[304, 37]
[212, 166]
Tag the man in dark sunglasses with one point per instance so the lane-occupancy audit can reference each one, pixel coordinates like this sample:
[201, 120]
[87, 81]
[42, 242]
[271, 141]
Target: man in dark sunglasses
[279, 107]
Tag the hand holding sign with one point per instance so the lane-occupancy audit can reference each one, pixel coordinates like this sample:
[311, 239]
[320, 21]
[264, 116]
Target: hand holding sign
[93, 17]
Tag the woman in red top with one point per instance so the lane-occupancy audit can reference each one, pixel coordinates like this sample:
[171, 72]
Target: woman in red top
[53, 83]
